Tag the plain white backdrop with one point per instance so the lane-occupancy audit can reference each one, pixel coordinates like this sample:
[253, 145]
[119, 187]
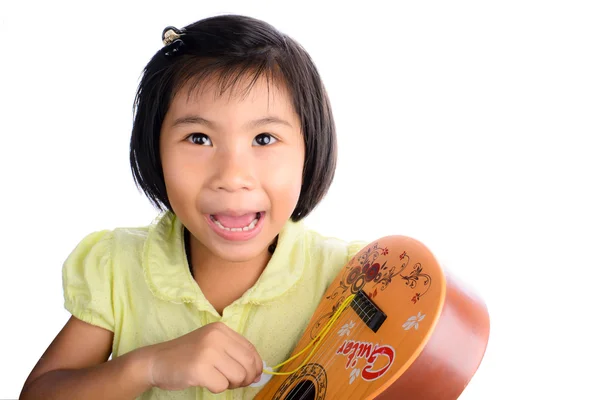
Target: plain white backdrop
[472, 126]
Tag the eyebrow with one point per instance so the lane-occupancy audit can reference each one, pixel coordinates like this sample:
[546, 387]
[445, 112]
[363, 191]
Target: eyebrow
[196, 119]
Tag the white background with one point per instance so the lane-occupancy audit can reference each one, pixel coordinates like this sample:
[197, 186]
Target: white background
[471, 126]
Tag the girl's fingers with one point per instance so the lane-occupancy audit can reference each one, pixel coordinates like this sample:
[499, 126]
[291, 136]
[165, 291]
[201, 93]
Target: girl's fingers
[258, 364]
[215, 381]
[248, 359]
[234, 370]
[239, 338]
[245, 343]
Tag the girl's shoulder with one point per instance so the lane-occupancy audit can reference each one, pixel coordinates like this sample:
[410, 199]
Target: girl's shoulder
[102, 250]
[105, 267]
[327, 255]
[108, 243]
[331, 246]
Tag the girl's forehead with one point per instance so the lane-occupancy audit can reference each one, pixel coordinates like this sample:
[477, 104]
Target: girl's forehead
[216, 92]
[240, 103]
[233, 88]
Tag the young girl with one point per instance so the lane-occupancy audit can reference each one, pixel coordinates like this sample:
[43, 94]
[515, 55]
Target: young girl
[234, 141]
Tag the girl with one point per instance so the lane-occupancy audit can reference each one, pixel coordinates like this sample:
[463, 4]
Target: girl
[234, 141]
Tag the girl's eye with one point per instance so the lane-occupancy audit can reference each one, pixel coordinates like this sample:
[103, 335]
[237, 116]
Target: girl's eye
[199, 138]
[264, 139]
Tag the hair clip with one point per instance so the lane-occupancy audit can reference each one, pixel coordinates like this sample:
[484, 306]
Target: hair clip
[171, 38]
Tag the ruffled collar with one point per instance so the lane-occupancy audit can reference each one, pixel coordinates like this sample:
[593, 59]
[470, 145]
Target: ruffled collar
[168, 275]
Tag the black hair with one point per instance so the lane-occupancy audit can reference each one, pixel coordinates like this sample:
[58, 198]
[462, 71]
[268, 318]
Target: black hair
[231, 47]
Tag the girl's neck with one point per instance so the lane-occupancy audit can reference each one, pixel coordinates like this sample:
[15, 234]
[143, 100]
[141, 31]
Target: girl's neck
[224, 282]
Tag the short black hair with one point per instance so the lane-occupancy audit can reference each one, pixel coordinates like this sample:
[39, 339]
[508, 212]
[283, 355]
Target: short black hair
[231, 47]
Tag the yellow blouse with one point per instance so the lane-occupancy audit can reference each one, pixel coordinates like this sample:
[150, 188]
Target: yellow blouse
[136, 283]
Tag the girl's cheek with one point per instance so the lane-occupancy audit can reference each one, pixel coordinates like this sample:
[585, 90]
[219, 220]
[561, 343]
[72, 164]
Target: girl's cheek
[286, 171]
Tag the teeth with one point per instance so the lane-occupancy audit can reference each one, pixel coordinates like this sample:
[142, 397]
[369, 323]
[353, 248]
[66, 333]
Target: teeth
[248, 227]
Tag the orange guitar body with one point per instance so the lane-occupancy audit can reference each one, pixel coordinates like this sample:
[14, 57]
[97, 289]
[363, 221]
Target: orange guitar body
[411, 332]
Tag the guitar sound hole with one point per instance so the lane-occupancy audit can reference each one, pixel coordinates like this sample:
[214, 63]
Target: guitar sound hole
[305, 390]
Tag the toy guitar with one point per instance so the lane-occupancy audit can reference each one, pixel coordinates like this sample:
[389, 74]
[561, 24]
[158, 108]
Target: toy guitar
[392, 325]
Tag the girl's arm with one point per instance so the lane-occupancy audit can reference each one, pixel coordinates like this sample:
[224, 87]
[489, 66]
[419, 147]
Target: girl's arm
[74, 367]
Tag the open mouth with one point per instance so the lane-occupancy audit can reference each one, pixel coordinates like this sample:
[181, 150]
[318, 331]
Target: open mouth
[243, 224]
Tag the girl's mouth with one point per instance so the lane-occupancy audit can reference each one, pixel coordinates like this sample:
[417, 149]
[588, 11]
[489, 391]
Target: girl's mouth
[237, 227]
[235, 222]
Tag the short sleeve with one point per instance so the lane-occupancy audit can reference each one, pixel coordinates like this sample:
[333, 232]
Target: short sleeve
[88, 280]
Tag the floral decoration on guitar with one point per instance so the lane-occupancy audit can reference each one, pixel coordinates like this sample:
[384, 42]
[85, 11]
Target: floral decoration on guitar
[373, 266]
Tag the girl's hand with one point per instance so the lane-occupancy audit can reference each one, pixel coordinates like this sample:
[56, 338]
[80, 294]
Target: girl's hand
[214, 357]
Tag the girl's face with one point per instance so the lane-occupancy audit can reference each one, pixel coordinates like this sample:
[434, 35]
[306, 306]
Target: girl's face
[233, 166]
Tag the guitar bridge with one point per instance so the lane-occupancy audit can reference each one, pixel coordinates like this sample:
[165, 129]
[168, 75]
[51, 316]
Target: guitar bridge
[368, 311]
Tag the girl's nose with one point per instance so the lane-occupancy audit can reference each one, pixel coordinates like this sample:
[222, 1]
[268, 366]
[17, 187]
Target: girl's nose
[233, 171]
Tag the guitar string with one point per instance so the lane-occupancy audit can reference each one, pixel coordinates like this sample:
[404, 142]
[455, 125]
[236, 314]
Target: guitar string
[298, 387]
[318, 338]
[358, 331]
[322, 349]
[325, 349]
[339, 340]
